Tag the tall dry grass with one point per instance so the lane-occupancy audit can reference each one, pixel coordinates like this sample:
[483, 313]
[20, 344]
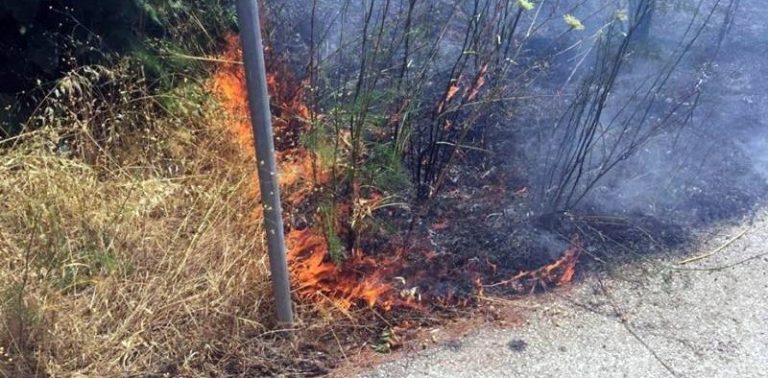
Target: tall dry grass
[127, 245]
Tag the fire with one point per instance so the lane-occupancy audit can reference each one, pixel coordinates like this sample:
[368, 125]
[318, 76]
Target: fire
[229, 85]
[558, 273]
[360, 279]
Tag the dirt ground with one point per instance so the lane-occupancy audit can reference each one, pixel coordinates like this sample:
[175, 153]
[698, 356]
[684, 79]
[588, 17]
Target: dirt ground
[652, 317]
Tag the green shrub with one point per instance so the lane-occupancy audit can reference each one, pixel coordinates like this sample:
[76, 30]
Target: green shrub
[44, 40]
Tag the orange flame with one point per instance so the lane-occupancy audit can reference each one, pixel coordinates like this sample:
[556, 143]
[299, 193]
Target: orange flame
[314, 276]
[228, 83]
[359, 278]
[558, 273]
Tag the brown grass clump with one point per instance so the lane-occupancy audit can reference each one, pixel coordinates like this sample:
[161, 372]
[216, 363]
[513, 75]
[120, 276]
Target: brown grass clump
[127, 246]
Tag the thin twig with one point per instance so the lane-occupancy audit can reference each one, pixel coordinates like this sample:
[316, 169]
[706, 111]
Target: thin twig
[205, 59]
[465, 146]
[714, 252]
[338, 343]
[724, 267]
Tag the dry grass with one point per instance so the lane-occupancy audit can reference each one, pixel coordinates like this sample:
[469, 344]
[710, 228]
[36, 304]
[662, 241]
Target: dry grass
[130, 255]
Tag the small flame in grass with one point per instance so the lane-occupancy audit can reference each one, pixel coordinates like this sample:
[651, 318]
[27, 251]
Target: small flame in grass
[558, 273]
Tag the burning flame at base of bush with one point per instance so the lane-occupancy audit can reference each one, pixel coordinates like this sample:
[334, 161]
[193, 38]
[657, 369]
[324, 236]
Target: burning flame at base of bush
[360, 279]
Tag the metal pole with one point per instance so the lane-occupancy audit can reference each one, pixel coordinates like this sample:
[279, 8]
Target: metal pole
[261, 120]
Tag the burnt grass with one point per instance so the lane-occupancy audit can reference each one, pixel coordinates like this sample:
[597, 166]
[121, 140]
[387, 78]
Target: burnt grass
[484, 221]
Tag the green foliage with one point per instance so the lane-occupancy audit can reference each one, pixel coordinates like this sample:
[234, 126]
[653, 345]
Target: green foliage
[320, 140]
[386, 170]
[573, 22]
[45, 40]
[525, 4]
[187, 30]
[185, 100]
[328, 221]
[387, 341]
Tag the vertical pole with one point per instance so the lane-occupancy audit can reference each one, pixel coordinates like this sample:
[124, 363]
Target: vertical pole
[261, 120]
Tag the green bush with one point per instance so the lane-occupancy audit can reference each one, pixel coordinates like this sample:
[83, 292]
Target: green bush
[43, 40]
